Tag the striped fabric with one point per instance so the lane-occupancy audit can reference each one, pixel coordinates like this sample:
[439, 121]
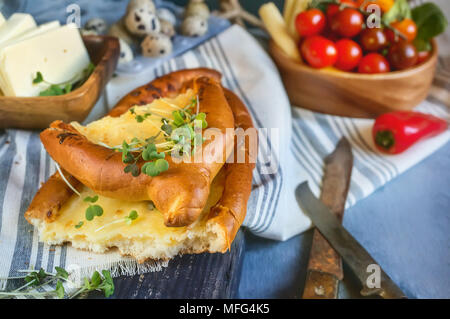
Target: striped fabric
[293, 143]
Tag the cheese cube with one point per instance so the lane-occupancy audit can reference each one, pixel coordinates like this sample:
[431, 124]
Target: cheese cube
[16, 25]
[59, 54]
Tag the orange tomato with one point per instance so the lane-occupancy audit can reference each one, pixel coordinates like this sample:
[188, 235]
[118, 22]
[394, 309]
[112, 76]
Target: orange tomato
[407, 27]
[385, 5]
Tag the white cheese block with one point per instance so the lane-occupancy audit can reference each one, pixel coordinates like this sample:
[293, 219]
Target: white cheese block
[29, 34]
[60, 55]
[16, 25]
[34, 32]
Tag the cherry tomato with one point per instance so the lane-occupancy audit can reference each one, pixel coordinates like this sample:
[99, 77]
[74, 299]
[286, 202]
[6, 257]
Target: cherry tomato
[422, 56]
[349, 54]
[407, 27]
[373, 39]
[332, 9]
[373, 63]
[347, 22]
[310, 22]
[402, 55]
[318, 51]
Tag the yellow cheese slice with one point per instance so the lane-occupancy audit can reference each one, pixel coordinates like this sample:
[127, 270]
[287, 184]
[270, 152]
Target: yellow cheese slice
[112, 131]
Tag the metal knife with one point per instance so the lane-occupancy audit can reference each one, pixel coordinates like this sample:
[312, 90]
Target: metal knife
[325, 265]
[357, 258]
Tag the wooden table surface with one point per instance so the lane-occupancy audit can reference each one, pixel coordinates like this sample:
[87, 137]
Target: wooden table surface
[190, 276]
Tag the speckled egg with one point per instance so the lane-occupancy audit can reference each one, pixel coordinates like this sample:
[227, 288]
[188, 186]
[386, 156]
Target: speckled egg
[145, 5]
[167, 28]
[197, 8]
[156, 44]
[194, 26]
[88, 32]
[96, 24]
[166, 14]
[126, 54]
[142, 23]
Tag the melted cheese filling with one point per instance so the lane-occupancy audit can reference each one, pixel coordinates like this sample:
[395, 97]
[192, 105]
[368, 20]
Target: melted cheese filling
[147, 230]
[112, 131]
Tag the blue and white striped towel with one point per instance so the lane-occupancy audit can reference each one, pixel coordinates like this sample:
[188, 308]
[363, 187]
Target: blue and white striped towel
[296, 150]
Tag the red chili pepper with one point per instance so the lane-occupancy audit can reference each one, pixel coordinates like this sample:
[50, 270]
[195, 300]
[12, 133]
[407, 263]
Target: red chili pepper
[394, 132]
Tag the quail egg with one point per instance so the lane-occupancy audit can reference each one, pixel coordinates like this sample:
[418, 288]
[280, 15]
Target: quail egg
[156, 44]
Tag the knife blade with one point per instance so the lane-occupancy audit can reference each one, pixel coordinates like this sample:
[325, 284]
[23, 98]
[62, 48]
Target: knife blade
[357, 258]
[325, 265]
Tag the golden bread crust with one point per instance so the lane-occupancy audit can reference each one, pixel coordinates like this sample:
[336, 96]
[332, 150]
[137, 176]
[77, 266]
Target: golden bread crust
[50, 197]
[230, 211]
[181, 192]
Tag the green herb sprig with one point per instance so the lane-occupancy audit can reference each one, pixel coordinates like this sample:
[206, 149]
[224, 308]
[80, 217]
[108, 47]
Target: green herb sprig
[64, 87]
[103, 282]
[133, 215]
[38, 278]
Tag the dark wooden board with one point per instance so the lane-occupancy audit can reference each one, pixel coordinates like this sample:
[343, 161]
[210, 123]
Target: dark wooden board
[188, 276]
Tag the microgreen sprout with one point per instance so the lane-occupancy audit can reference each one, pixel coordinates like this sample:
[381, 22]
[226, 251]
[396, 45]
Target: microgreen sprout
[92, 210]
[181, 141]
[80, 223]
[65, 180]
[127, 219]
[98, 282]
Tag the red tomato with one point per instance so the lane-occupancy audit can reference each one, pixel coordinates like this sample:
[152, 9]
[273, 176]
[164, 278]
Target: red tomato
[402, 55]
[373, 63]
[310, 22]
[407, 27]
[332, 9]
[349, 54]
[373, 39]
[422, 56]
[318, 51]
[347, 22]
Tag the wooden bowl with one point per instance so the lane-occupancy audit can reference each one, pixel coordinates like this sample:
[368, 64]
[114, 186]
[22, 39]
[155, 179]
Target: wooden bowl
[353, 94]
[39, 112]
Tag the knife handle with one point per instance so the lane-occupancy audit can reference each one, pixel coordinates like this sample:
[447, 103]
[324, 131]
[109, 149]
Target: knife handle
[324, 258]
[324, 270]
[320, 285]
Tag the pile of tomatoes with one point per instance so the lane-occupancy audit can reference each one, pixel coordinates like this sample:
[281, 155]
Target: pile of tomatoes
[339, 37]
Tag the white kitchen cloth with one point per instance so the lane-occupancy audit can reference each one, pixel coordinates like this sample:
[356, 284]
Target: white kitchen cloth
[298, 141]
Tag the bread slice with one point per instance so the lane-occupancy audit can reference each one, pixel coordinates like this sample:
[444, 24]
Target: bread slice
[146, 237]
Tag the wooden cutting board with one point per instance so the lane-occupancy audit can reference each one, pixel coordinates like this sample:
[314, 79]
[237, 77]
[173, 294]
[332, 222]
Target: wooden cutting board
[189, 276]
